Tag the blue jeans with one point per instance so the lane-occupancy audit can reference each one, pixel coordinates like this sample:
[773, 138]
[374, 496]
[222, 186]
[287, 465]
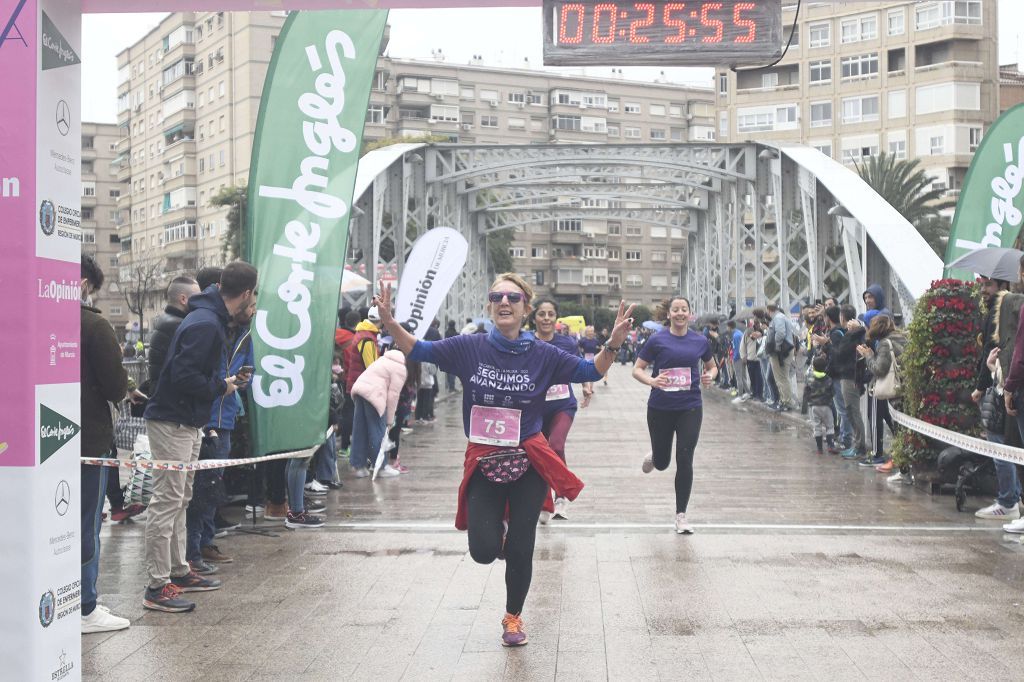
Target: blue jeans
[94, 486]
[295, 478]
[1006, 473]
[325, 460]
[201, 532]
[367, 432]
[770, 395]
[845, 430]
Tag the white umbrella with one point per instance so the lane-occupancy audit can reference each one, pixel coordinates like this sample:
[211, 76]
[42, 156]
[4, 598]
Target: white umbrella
[386, 444]
[350, 281]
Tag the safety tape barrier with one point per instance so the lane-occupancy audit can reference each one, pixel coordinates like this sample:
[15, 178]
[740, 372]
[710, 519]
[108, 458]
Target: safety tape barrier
[170, 465]
[1007, 453]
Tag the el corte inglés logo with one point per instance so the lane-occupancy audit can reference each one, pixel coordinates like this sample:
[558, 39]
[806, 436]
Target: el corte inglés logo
[55, 430]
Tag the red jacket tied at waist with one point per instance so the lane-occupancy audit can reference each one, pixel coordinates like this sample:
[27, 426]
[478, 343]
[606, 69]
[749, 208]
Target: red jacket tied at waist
[542, 458]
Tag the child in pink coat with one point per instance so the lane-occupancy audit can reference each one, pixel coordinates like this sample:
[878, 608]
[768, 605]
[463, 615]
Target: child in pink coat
[375, 394]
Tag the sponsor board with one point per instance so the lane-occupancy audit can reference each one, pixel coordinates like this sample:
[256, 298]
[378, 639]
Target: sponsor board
[58, 418]
[56, 605]
[65, 665]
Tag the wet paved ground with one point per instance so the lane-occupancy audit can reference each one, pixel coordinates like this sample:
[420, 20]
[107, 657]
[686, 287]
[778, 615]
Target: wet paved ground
[802, 567]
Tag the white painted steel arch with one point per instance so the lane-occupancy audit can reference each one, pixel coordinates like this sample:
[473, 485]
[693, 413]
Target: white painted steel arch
[762, 223]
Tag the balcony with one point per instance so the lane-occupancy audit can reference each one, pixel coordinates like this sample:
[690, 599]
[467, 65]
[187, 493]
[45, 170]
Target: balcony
[169, 184]
[182, 144]
[184, 118]
[578, 289]
[171, 88]
[123, 146]
[567, 237]
[179, 52]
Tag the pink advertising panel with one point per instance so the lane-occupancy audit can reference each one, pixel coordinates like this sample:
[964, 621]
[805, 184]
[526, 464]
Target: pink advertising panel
[90, 6]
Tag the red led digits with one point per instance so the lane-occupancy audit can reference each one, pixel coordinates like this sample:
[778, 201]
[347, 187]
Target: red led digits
[613, 15]
[748, 24]
[679, 24]
[648, 9]
[717, 24]
[563, 35]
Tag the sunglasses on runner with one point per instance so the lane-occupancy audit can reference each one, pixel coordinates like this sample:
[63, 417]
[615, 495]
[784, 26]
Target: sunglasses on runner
[496, 296]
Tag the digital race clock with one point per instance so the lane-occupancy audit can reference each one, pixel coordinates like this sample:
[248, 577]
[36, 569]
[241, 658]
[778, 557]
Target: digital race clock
[695, 32]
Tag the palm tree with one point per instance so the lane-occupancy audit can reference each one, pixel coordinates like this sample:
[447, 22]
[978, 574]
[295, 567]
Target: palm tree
[907, 188]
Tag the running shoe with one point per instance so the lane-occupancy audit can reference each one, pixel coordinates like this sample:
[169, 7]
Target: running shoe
[302, 521]
[388, 471]
[314, 506]
[360, 472]
[561, 508]
[202, 568]
[998, 512]
[167, 599]
[102, 620]
[259, 509]
[1014, 527]
[648, 464]
[315, 488]
[193, 582]
[849, 453]
[872, 462]
[682, 526]
[212, 554]
[126, 513]
[513, 633]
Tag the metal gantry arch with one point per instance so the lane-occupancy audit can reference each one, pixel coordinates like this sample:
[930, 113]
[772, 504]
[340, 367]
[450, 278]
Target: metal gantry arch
[762, 223]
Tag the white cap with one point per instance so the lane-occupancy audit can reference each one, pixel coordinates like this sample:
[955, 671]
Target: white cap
[373, 315]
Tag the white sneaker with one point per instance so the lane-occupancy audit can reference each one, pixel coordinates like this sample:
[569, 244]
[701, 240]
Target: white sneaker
[259, 509]
[998, 512]
[360, 472]
[545, 516]
[388, 471]
[561, 508]
[737, 400]
[682, 527]
[315, 486]
[648, 465]
[102, 620]
[1014, 527]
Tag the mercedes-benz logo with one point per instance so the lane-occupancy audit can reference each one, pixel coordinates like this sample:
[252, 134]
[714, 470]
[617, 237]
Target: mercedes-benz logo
[62, 498]
[63, 117]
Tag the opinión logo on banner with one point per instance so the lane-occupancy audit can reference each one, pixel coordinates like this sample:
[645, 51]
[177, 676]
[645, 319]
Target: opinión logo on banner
[436, 261]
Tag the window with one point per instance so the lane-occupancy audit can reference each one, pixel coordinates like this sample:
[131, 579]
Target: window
[444, 87]
[488, 121]
[87, 214]
[444, 112]
[897, 20]
[860, 109]
[516, 123]
[973, 138]
[569, 225]
[538, 252]
[489, 95]
[946, 96]
[897, 103]
[657, 110]
[220, 89]
[786, 114]
[723, 84]
[821, 71]
[517, 252]
[933, 14]
[563, 122]
[658, 134]
[634, 281]
[860, 66]
[633, 255]
[898, 148]
[375, 113]
[632, 133]
[202, 164]
[937, 145]
[675, 110]
[595, 252]
[659, 281]
[614, 229]
[532, 98]
[821, 114]
[114, 193]
[613, 106]
[614, 278]
[769, 80]
[614, 253]
[538, 277]
[631, 108]
[634, 230]
[754, 122]
[613, 130]
[88, 189]
[859, 28]
[677, 134]
[723, 124]
[517, 97]
[658, 256]
[820, 34]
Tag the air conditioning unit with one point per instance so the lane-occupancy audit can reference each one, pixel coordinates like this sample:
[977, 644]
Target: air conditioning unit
[553, 132]
[689, 117]
[493, 102]
[431, 120]
[467, 126]
[438, 96]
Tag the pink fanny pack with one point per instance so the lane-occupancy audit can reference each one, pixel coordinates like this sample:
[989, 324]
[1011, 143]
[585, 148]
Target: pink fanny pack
[504, 466]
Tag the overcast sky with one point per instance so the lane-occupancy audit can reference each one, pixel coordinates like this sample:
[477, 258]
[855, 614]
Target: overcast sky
[504, 37]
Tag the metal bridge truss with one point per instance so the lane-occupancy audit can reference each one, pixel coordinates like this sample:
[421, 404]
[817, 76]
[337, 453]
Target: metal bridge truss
[759, 227]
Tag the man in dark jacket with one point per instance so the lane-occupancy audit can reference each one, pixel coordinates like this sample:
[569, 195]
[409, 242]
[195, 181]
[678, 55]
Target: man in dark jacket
[104, 382]
[180, 407]
[178, 292]
[844, 366]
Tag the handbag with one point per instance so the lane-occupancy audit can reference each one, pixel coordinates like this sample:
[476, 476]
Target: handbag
[140, 485]
[993, 411]
[504, 466]
[888, 387]
[126, 429]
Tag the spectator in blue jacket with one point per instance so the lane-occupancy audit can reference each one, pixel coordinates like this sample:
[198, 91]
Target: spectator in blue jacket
[874, 301]
[189, 383]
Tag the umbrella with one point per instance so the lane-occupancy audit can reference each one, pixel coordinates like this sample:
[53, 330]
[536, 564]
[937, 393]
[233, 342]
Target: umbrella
[743, 315]
[385, 446]
[350, 281]
[994, 263]
[707, 318]
[653, 326]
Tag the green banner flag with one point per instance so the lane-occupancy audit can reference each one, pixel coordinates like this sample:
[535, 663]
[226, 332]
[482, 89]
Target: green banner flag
[988, 213]
[304, 161]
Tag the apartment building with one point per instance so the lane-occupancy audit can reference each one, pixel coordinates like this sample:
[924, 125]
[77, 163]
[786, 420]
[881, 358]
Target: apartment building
[189, 97]
[916, 79]
[101, 193]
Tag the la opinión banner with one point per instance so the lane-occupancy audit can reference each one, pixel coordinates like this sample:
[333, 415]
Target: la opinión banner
[436, 261]
[988, 212]
[304, 162]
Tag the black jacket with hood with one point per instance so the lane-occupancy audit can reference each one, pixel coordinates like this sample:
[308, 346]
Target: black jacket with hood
[163, 331]
[190, 379]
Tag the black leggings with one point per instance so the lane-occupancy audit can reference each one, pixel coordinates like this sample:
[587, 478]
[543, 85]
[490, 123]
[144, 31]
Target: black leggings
[486, 504]
[685, 426]
[881, 416]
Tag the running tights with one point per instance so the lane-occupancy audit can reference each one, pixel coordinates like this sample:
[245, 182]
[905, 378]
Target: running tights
[556, 429]
[685, 426]
[486, 505]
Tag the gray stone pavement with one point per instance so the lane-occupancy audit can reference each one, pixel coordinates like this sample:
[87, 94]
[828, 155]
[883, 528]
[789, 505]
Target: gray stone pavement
[802, 567]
